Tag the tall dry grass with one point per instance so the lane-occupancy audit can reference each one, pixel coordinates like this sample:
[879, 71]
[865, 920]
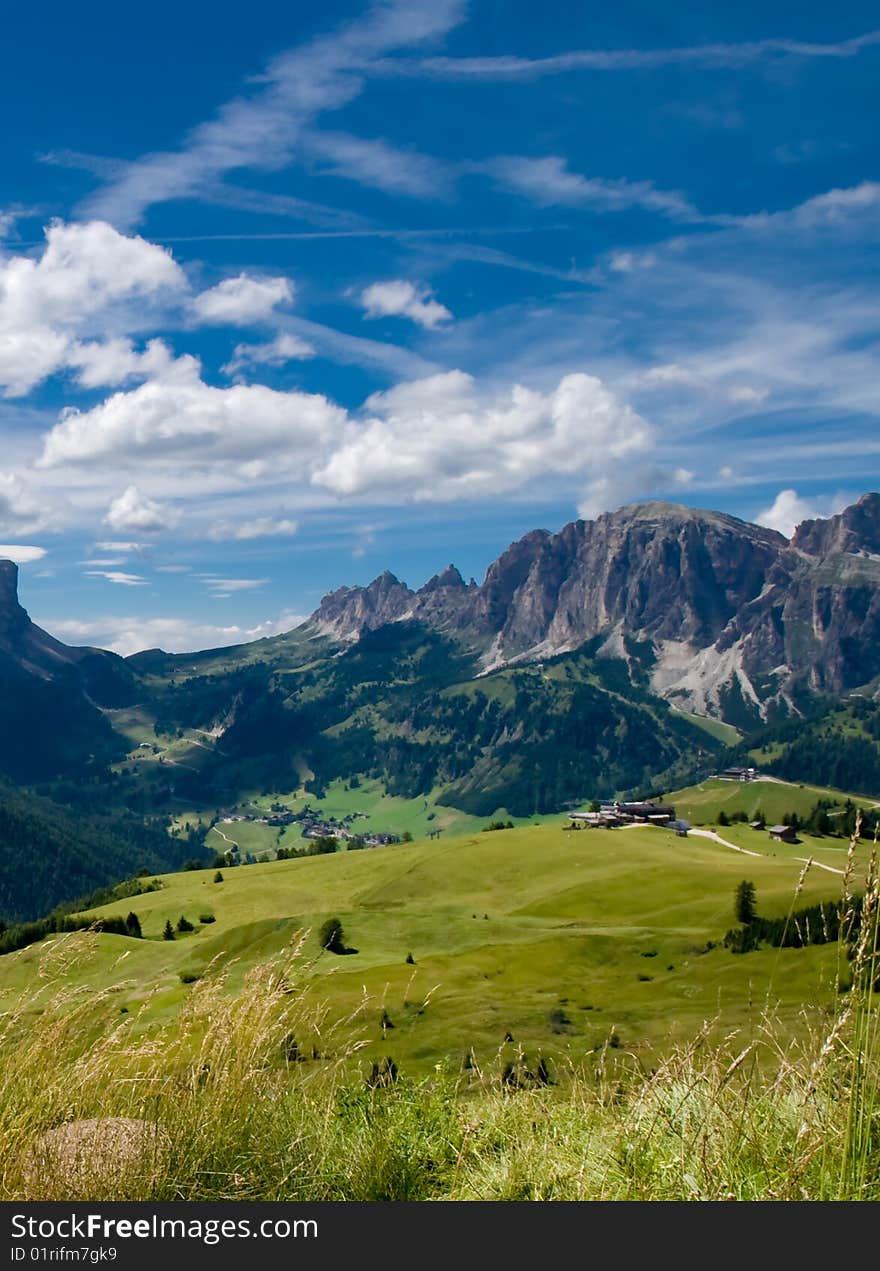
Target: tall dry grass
[220, 1104]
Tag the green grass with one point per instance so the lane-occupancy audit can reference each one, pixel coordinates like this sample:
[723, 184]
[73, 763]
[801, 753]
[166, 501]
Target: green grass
[678, 1070]
[714, 727]
[701, 804]
[505, 928]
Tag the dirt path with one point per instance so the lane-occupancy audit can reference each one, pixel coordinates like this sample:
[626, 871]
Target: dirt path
[804, 860]
[716, 838]
[232, 842]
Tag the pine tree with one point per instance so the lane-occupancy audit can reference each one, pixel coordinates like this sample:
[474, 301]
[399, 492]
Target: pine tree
[168, 933]
[745, 904]
[133, 926]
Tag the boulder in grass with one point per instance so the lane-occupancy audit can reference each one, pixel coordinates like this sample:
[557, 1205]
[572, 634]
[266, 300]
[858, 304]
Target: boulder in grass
[100, 1158]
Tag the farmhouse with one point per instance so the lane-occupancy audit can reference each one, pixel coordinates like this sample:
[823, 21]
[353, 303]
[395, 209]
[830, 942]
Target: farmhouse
[739, 774]
[613, 814]
[783, 834]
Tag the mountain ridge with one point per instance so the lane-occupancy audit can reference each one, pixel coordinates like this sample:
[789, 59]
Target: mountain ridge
[727, 605]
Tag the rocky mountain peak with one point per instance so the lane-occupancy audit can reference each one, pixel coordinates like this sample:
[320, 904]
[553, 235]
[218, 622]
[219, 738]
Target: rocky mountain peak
[856, 529]
[349, 611]
[13, 619]
[447, 578]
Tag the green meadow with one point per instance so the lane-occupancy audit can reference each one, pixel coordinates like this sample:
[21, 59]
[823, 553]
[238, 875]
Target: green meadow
[702, 803]
[537, 939]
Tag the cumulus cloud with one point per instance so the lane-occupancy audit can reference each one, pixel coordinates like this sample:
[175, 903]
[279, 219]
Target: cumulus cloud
[284, 348]
[242, 300]
[258, 527]
[105, 364]
[135, 512]
[84, 274]
[181, 419]
[399, 298]
[444, 438]
[788, 509]
[21, 553]
[127, 635]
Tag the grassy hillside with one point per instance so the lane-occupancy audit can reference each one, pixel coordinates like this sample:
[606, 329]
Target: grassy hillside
[702, 803]
[406, 707]
[556, 939]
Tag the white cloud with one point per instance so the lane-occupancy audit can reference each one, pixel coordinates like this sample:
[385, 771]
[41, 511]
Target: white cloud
[259, 527]
[445, 438]
[136, 512]
[127, 635]
[20, 512]
[265, 129]
[626, 262]
[120, 579]
[20, 553]
[84, 274]
[242, 300]
[672, 375]
[223, 588]
[284, 348]
[375, 163]
[789, 509]
[829, 209]
[101, 364]
[549, 183]
[743, 53]
[399, 298]
[181, 420]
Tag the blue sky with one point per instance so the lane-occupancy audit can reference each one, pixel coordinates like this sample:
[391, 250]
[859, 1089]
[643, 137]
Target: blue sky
[288, 300]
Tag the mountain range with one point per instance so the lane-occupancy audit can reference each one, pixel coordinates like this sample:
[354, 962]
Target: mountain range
[741, 622]
[618, 654]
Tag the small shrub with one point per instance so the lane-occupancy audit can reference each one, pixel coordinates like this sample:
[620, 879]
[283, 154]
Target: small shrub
[189, 977]
[559, 1021]
[207, 918]
[183, 924]
[331, 936]
[218, 877]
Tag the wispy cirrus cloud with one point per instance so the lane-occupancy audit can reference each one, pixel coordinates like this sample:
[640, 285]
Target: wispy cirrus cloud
[117, 577]
[380, 165]
[700, 56]
[549, 182]
[264, 130]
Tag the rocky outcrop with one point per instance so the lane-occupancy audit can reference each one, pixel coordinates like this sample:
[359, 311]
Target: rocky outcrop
[51, 694]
